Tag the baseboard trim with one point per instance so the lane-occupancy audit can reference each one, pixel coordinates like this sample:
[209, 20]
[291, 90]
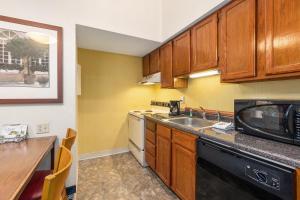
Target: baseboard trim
[109, 152]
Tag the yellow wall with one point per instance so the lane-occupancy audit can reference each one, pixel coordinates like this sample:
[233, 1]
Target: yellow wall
[109, 91]
[210, 93]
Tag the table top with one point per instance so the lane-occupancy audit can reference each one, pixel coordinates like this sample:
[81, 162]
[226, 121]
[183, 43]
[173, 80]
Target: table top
[18, 161]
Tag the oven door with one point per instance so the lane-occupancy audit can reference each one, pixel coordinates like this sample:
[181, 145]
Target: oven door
[273, 121]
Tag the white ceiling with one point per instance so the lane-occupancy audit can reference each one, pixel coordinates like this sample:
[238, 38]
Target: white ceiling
[101, 40]
[118, 32]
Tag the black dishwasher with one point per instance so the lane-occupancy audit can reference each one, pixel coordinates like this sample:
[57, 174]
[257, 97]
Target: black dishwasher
[224, 173]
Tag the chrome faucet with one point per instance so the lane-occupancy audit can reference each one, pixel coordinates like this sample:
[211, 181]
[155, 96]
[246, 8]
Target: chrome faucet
[203, 112]
[191, 112]
[218, 116]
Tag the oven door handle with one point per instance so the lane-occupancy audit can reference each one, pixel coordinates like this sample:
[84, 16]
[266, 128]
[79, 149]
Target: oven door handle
[288, 120]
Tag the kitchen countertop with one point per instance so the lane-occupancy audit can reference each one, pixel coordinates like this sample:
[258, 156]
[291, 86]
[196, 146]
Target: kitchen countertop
[279, 152]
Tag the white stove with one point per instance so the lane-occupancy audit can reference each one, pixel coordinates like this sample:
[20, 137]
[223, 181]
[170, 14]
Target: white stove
[137, 132]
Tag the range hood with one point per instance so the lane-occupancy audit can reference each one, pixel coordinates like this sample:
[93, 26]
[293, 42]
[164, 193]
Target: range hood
[151, 79]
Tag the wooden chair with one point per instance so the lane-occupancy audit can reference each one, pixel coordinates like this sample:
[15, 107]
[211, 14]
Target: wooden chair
[69, 140]
[36, 183]
[53, 187]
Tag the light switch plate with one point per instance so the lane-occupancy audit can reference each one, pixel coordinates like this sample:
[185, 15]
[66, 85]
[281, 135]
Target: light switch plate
[42, 128]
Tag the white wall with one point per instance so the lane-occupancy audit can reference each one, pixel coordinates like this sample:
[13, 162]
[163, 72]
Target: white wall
[59, 116]
[178, 14]
[138, 18]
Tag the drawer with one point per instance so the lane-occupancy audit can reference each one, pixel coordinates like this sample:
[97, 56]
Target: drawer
[150, 160]
[150, 148]
[186, 140]
[163, 131]
[150, 136]
[151, 125]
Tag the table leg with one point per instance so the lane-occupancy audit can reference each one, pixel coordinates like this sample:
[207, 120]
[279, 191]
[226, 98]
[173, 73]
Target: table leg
[52, 157]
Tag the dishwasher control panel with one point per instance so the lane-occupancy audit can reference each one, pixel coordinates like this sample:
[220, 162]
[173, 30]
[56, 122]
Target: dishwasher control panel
[263, 177]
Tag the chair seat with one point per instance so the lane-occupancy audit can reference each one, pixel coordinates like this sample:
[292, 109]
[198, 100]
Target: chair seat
[34, 188]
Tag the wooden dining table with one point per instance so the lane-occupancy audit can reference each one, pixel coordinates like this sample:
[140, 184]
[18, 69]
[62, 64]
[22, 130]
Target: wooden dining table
[18, 162]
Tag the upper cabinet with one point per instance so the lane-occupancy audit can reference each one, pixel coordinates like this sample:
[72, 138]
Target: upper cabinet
[204, 42]
[151, 63]
[248, 40]
[181, 54]
[282, 36]
[146, 65]
[166, 68]
[154, 61]
[237, 40]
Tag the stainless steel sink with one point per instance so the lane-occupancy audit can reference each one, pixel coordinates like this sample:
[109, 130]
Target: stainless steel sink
[195, 123]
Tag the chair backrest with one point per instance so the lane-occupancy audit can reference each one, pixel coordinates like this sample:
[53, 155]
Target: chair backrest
[54, 184]
[69, 140]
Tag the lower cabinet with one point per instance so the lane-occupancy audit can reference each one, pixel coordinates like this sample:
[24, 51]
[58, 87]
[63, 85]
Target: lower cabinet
[172, 155]
[297, 174]
[150, 146]
[183, 167]
[163, 153]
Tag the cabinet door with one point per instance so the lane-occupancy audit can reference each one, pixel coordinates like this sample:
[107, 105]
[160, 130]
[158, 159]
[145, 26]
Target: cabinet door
[297, 176]
[181, 54]
[204, 41]
[238, 43]
[163, 159]
[166, 66]
[183, 172]
[146, 65]
[282, 36]
[154, 61]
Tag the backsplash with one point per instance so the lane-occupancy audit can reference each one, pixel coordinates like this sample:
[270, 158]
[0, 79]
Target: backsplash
[160, 103]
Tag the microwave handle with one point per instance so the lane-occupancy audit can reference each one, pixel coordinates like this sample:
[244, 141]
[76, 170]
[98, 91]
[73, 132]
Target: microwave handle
[288, 121]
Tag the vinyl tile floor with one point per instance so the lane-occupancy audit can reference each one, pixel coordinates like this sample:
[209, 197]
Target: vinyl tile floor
[119, 177]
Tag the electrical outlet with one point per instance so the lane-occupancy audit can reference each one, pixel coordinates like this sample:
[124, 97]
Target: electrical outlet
[182, 99]
[42, 128]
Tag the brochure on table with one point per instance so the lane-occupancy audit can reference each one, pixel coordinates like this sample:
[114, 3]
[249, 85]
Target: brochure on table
[13, 132]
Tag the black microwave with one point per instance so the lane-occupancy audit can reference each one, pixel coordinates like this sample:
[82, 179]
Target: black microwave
[271, 119]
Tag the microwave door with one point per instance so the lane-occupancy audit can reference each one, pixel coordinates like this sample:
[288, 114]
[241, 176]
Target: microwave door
[269, 121]
[288, 121]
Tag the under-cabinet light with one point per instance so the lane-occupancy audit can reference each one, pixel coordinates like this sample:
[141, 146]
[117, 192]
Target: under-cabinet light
[205, 73]
[148, 83]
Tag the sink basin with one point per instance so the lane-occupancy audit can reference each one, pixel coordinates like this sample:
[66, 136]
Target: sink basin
[195, 123]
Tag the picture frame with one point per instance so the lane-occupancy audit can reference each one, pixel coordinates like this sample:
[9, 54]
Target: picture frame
[31, 62]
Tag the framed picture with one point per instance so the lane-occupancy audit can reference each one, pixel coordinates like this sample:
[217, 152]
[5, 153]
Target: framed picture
[30, 62]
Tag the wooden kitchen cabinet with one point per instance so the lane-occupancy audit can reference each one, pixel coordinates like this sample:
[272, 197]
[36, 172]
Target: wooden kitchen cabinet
[181, 54]
[146, 65]
[204, 42]
[183, 164]
[297, 174]
[154, 62]
[163, 153]
[282, 36]
[166, 68]
[150, 144]
[238, 40]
